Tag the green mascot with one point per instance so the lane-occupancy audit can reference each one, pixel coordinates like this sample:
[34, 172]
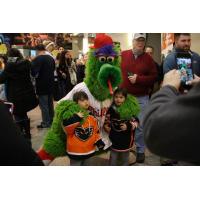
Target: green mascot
[102, 75]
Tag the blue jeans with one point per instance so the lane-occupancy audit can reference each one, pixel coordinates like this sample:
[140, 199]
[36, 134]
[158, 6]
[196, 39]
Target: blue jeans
[47, 109]
[139, 136]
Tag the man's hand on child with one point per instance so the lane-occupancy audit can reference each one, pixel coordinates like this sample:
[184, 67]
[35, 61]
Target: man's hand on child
[123, 126]
[80, 114]
[107, 128]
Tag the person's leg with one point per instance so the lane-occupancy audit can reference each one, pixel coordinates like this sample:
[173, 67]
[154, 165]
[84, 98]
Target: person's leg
[27, 128]
[23, 122]
[124, 158]
[51, 108]
[19, 122]
[139, 136]
[75, 162]
[43, 103]
[62, 88]
[114, 158]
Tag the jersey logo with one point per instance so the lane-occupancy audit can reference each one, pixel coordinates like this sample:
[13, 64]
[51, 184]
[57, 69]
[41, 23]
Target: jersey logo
[117, 123]
[83, 133]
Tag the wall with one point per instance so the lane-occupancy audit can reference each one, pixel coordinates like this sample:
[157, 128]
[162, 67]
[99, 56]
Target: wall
[123, 39]
[195, 44]
[154, 40]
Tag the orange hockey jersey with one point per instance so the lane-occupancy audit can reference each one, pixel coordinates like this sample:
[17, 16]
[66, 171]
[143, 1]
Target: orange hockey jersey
[82, 139]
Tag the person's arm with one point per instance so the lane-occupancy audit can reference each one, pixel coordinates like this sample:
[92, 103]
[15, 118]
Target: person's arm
[107, 121]
[169, 63]
[14, 149]
[35, 67]
[150, 78]
[99, 142]
[70, 124]
[4, 74]
[171, 124]
[3, 77]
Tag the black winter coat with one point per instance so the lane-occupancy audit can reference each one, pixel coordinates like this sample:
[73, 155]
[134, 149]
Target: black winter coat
[14, 149]
[43, 67]
[121, 140]
[19, 88]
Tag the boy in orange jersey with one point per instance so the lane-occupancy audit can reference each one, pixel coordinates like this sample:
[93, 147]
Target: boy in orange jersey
[82, 139]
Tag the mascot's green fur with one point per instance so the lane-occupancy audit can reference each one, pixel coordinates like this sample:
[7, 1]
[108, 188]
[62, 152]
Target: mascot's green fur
[64, 110]
[103, 64]
[129, 108]
[95, 80]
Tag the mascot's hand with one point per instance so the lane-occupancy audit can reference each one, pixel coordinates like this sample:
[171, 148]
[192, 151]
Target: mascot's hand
[80, 114]
[44, 156]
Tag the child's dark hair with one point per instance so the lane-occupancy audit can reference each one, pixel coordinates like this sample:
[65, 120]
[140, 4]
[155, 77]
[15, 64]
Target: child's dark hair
[80, 96]
[120, 91]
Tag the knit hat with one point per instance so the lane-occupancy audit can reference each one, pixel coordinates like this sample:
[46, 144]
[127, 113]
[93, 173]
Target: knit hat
[102, 40]
[47, 43]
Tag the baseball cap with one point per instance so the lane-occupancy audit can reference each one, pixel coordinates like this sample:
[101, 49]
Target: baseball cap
[139, 35]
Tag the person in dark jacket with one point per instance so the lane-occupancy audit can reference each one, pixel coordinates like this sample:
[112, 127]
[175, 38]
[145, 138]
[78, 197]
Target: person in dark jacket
[80, 66]
[182, 45]
[150, 50]
[43, 67]
[121, 131]
[171, 122]
[14, 149]
[66, 73]
[19, 89]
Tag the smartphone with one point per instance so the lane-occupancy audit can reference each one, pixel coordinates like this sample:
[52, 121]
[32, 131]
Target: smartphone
[184, 64]
[33, 53]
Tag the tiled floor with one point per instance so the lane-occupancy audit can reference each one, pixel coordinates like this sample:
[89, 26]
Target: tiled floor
[102, 159]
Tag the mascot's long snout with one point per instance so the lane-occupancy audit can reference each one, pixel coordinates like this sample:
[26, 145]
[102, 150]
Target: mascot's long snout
[109, 76]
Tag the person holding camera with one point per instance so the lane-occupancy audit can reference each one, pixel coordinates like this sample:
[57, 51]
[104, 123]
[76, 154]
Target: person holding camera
[171, 121]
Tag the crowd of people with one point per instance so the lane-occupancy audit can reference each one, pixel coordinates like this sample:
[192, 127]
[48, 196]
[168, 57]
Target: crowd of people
[45, 79]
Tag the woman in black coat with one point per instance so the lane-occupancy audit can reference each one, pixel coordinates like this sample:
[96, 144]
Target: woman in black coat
[14, 149]
[66, 73]
[19, 88]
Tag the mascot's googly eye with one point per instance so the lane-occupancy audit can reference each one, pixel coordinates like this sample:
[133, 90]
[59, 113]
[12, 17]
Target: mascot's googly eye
[102, 59]
[110, 58]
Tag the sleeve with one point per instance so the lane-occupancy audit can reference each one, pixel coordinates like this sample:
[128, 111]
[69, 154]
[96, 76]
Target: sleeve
[171, 124]
[14, 150]
[169, 63]
[107, 121]
[151, 77]
[70, 124]
[99, 142]
[59, 71]
[3, 77]
[108, 117]
[35, 67]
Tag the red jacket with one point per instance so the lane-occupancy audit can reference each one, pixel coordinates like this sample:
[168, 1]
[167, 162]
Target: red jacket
[145, 69]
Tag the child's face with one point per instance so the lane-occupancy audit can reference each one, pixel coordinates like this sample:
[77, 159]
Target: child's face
[119, 99]
[84, 103]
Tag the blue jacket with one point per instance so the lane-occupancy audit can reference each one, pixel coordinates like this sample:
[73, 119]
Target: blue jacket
[170, 62]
